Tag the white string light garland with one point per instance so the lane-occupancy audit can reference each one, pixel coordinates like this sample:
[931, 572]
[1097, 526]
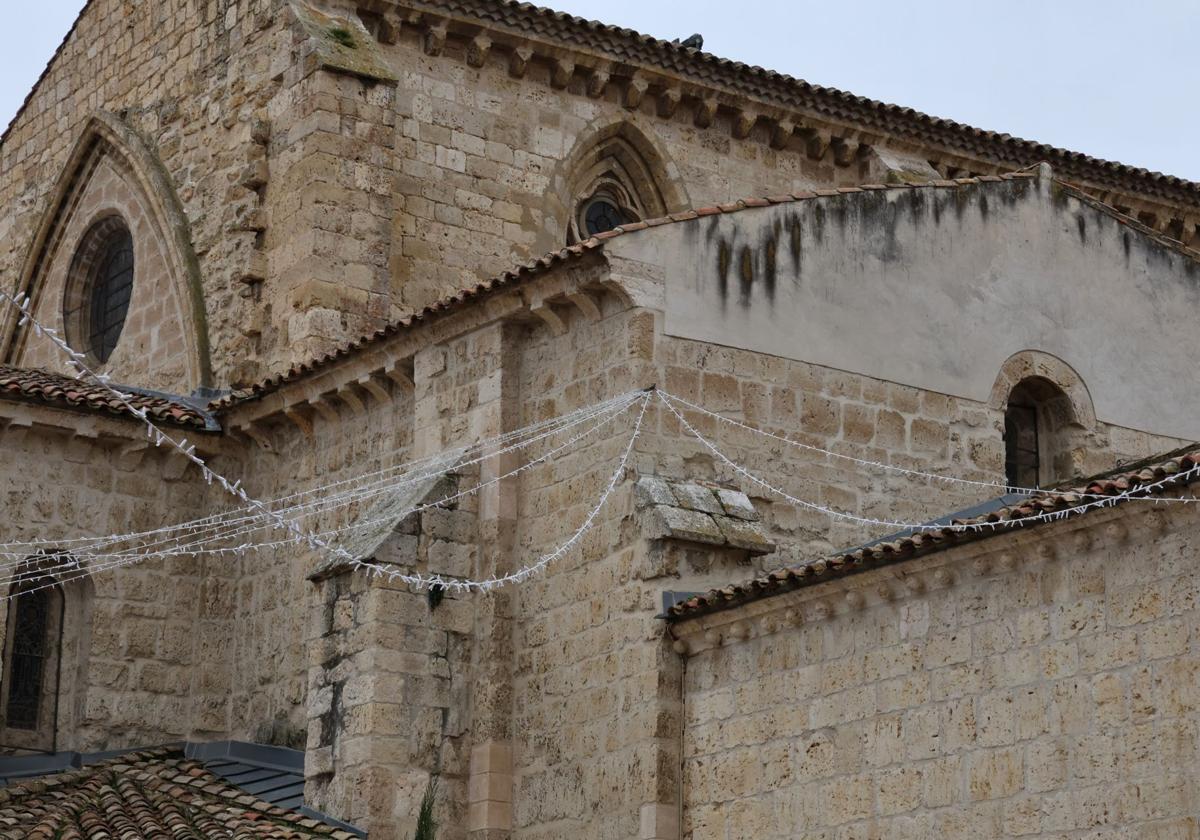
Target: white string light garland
[217, 531]
[204, 545]
[31, 561]
[1044, 516]
[879, 465]
[75, 361]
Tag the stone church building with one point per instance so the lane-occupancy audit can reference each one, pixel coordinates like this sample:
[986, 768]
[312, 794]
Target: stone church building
[319, 237]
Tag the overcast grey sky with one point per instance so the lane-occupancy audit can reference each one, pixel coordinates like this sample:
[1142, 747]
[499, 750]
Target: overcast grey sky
[1112, 78]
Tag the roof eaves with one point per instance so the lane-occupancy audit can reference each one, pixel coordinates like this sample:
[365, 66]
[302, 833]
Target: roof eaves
[911, 545]
[830, 103]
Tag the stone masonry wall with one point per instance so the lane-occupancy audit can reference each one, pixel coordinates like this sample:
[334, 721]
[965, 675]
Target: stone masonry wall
[189, 77]
[851, 415]
[1042, 684]
[131, 676]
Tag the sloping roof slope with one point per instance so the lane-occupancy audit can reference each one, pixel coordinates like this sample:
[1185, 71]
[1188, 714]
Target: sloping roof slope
[61, 391]
[152, 793]
[909, 545]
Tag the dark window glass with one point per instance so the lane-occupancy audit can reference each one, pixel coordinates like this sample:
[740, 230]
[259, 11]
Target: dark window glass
[1021, 465]
[29, 652]
[111, 287]
[602, 215]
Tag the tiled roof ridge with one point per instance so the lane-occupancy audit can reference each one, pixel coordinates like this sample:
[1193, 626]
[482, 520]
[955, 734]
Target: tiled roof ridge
[62, 391]
[826, 101]
[922, 543]
[547, 261]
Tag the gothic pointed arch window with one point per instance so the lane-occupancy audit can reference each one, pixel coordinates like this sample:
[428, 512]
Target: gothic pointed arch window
[615, 177]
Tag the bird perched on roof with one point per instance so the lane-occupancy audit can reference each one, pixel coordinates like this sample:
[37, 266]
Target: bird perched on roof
[696, 42]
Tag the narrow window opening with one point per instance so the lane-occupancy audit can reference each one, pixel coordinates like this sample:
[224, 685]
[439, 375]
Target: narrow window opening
[1039, 435]
[1021, 455]
[29, 653]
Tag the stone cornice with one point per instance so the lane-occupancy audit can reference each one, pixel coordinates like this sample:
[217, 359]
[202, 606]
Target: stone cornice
[817, 115]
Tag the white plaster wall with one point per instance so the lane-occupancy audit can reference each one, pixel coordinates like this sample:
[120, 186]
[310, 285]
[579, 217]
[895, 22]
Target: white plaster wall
[936, 287]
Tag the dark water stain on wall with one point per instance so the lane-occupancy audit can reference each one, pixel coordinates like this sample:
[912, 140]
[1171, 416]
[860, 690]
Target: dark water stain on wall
[745, 276]
[796, 242]
[1081, 226]
[724, 260]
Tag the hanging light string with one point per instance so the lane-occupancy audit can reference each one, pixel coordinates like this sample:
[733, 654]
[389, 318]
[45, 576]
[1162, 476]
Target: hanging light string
[213, 529]
[417, 581]
[205, 545]
[437, 464]
[878, 465]
[1044, 516]
[75, 361]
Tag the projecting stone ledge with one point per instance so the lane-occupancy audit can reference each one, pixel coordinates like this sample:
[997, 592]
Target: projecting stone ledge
[699, 513]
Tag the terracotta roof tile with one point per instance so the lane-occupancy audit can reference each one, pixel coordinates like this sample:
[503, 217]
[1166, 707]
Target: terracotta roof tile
[140, 795]
[912, 545]
[59, 390]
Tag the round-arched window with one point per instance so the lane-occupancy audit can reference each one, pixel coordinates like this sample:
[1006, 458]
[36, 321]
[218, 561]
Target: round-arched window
[100, 288]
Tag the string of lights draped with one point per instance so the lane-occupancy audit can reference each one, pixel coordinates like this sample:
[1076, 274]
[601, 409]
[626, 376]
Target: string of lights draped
[215, 542]
[220, 527]
[879, 465]
[1143, 490]
[76, 362]
[234, 531]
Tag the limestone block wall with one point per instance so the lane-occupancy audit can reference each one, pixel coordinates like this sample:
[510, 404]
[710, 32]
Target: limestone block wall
[191, 79]
[1035, 685]
[852, 415]
[135, 638]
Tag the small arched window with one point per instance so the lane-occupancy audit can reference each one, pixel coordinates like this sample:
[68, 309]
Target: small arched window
[28, 655]
[1038, 422]
[100, 288]
[32, 657]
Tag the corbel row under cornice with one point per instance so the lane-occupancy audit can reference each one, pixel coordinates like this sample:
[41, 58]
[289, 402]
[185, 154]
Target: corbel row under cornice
[715, 94]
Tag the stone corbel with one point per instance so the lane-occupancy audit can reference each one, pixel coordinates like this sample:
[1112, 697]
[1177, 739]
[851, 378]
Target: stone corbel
[374, 387]
[300, 420]
[781, 134]
[635, 91]
[349, 396]
[130, 455]
[518, 62]
[255, 435]
[743, 124]
[816, 142]
[668, 102]
[478, 49]
[400, 372]
[435, 39]
[706, 112]
[586, 303]
[323, 407]
[561, 73]
[552, 319]
[597, 83]
[844, 151]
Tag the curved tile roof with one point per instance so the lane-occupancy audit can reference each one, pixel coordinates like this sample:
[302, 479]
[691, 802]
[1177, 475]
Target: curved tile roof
[892, 550]
[62, 391]
[152, 793]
